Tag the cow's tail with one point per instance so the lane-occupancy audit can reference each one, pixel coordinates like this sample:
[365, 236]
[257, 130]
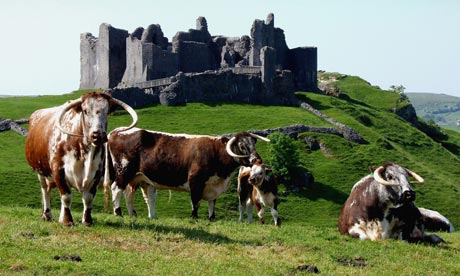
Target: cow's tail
[107, 178]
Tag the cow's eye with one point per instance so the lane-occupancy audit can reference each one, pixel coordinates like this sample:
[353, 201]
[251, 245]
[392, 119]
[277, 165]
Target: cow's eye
[390, 177]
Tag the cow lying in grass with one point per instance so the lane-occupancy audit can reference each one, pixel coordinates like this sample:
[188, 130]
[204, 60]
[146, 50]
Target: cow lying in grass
[381, 206]
[257, 186]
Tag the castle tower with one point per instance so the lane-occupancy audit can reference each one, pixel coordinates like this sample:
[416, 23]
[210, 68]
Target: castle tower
[262, 34]
[103, 59]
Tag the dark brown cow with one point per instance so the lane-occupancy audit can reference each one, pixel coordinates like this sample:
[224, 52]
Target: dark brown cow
[202, 165]
[257, 186]
[65, 146]
[381, 206]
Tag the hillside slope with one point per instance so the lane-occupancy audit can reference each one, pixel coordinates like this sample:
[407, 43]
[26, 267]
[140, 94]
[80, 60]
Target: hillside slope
[443, 109]
[336, 167]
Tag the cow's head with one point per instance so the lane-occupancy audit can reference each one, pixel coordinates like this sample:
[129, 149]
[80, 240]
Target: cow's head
[242, 146]
[257, 175]
[94, 108]
[396, 181]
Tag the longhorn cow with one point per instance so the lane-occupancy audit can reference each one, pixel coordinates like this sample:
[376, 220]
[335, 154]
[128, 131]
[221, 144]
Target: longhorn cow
[201, 165]
[381, 206]
[65, 146]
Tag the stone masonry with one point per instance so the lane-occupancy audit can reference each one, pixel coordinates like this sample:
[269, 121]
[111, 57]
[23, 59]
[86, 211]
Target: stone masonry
[196, 66]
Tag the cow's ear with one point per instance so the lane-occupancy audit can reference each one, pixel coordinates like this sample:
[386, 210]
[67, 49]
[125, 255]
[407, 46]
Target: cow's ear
[371, 169]
[224, 140]
[77, 108]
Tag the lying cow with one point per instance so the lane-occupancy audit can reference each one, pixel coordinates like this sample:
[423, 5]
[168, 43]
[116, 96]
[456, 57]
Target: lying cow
[257, 186]
[202, 165]
[381, 206]
[65, 146]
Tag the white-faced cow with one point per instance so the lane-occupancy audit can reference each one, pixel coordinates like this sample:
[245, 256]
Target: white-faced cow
[65, 146]
[202, 165]
[257, 186]
[381, 206]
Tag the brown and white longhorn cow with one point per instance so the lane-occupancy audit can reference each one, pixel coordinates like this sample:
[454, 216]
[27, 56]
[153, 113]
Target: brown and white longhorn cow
[381, 206]
[202, 165]
[65, 146]
[257, 186]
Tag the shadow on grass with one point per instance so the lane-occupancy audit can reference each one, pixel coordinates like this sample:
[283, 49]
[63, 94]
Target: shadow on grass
[194, 234]
[319, 190]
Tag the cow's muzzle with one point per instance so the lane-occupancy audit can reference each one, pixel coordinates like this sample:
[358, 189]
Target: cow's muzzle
[408, 196]
[98, 138]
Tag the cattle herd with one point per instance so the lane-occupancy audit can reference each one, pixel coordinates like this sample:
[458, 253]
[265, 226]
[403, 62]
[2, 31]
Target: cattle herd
[68, 147]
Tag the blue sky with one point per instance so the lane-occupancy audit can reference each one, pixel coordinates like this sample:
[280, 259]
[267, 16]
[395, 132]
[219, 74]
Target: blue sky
[415, 43]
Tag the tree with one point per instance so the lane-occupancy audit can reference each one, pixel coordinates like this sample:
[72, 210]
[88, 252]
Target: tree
[398, 89]
[283, 155]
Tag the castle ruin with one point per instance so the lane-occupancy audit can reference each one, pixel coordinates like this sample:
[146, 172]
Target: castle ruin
[145, 68]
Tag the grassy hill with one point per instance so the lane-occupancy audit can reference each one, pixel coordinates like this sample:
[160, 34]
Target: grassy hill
[443, 109]
[308, 234]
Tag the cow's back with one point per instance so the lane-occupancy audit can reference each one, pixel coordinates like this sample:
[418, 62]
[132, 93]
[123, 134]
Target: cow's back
[356, 206]
[38, 141]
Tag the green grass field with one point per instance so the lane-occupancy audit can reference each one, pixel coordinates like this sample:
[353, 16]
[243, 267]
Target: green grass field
[174, 244]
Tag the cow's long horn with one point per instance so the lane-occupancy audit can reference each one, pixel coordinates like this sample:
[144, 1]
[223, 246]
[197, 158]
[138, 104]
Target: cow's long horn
[229, 149]
[66, 108]
[379, 179]
[260, 137]
[131, 112]
[417, 177]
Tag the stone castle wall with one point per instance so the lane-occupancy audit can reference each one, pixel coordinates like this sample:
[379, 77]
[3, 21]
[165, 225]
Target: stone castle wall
[117, 58]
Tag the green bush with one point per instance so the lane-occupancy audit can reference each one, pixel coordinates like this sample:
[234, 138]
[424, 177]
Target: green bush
[283, 155]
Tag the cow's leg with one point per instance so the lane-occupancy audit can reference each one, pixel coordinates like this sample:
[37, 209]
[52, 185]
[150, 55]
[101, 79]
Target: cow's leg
[65, 216]
[150, 196]
[196, 191]
[116, 197]
[87, 199]
[242, 209]
[211, 210]
[274, 213]
[260, 212]
[129, 193]
[250, 211]
[46, 198]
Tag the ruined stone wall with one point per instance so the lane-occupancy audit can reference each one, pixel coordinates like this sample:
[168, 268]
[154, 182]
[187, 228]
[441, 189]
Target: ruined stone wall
[262, 34]
[116, 57]
[147, 61]
[88, 61]
[302, 61]
[195, 57]
[111, 56]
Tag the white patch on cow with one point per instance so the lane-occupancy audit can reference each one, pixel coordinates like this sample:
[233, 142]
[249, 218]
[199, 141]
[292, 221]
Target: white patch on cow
[150, 196]
[374, 230]
[436, 215]
[353, 203]
[80, 173]
[116, 196]
[266, 199]
[215, 186]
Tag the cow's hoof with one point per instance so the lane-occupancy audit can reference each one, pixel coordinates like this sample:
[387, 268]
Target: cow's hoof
[46, 216]
[67, 219]
[117, 212]
[212, 218]
[68, 223]
[87, 218]
[278, 223]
